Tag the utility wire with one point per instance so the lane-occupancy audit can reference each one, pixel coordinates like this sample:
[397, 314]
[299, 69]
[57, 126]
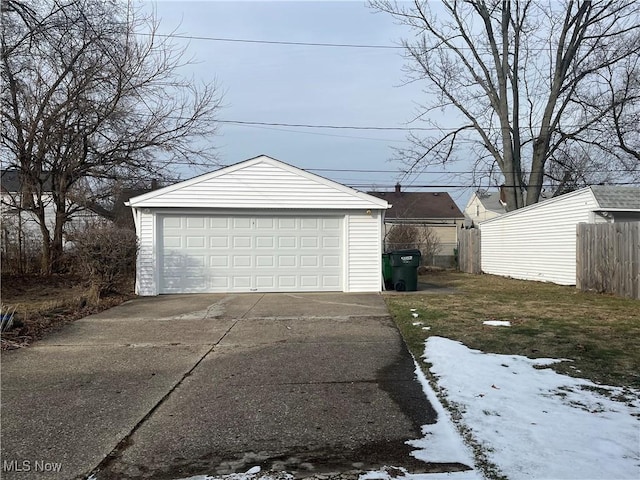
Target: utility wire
[311, 44]
[335, 127]
[356, 170]
[275, 42]
[478, 185]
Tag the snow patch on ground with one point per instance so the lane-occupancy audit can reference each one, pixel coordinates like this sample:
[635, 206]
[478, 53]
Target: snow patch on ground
[535, 423]
[497, 323]
[441, 442]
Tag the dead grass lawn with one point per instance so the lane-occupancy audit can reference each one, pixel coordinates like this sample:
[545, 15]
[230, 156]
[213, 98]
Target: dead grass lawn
[598, 333]
[45, 303]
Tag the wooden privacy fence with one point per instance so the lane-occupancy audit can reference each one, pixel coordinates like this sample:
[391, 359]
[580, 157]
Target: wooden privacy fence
[608, 258]
[469, 250]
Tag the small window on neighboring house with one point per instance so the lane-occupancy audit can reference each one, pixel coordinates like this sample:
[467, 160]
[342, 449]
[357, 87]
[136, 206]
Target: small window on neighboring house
[477, 210]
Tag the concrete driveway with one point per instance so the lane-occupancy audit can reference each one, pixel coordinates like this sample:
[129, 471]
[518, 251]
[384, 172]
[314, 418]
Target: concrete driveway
[172, 386]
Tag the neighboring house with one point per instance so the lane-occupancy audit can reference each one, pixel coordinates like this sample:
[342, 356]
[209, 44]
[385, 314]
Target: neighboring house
[21, 226]
[483, 206]
[538, 242]
[434, 210]
[258, 226]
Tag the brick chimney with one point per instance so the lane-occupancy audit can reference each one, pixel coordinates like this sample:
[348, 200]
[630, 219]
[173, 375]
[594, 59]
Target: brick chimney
[397, 188]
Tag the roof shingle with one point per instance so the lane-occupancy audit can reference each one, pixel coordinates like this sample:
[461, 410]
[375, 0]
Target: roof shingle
[419, 205]
[609, 196]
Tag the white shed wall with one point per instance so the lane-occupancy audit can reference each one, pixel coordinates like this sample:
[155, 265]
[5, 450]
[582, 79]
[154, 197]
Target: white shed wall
[146, 275]
[364, 252]
[537, 242]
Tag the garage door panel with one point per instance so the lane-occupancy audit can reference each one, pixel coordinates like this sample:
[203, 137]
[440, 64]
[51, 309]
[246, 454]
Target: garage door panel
[331, 224]
[330, 242]
[265, 281]
[218, 261]
[218, 242]
[243, 282]
[265, 242]
[219, 283]
[240, 261]
[309, 223]
[196, 222]
[195, 242]
[265, 261]
[286, 223]
[308, 261]
[309, 281]
[242, 242]
[287, 242]
[219, 222]
[241, 223]
[265, 223]
[330, 261]
[172, 222]
[287, 261]
[330, 281]
[309, 242]
[173, 242]
[222, 254]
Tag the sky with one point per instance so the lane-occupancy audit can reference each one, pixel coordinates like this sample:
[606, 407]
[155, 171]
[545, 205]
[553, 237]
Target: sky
[528, 421]
[302, 84]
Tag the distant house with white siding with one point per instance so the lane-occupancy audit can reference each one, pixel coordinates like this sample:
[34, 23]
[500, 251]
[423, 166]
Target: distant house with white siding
[538, 242]
[20, 226]
[258, 226]
[484, 206]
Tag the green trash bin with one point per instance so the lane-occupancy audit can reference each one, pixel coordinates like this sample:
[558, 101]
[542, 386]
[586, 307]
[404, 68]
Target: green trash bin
[404, 274]
[387, 271]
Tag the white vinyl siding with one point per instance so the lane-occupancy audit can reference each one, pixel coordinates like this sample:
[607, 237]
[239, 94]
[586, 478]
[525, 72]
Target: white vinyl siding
[537, 242]
[365, 252]
[260, 184]
[146, 260]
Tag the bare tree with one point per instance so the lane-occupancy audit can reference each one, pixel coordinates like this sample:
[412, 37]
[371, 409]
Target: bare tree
[401, 236]
[92, 92]
[518, 79]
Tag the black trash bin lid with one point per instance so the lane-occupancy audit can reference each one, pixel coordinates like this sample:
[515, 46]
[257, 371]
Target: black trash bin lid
[410, 251]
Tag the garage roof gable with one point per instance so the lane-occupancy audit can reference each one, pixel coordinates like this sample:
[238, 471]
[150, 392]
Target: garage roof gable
[261, 182]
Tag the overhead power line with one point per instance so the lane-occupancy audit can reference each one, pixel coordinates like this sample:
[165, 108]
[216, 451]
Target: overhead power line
[276, 42]
[444, 185]
[335, 127]
[314, 44]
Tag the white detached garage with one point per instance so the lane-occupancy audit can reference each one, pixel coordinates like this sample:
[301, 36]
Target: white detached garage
[258, 226]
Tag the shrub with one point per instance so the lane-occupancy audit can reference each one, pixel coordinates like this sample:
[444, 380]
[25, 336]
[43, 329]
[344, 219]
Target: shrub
[403, 236]
[106, 255]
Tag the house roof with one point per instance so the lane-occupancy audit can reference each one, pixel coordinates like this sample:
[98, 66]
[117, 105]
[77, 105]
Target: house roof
[614, 197]
[261, 182]
[419, 205]
[10, 181]
[491, 201]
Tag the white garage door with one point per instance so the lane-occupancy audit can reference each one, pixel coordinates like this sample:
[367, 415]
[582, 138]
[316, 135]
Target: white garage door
[250, 254]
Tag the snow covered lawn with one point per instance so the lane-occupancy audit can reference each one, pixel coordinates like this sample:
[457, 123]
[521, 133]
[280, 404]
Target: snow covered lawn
[532, 422]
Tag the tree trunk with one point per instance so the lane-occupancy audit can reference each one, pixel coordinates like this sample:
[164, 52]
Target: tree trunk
[536, 177]
[45, 256]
